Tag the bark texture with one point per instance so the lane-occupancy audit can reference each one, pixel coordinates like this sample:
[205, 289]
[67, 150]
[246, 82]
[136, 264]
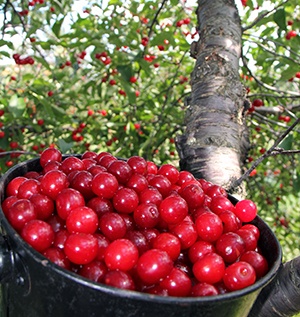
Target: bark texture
[215, 141]
[281, 298]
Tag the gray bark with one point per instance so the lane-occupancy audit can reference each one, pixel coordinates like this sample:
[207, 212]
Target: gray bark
[215, 140]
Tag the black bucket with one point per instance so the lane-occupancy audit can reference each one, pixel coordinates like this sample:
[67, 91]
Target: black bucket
[32, 286]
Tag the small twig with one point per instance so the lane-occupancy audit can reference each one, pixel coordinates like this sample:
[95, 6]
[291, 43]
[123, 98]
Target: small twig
[262, 16]
[272, 151]
[292, 93]
[280, 151]
[6, 153]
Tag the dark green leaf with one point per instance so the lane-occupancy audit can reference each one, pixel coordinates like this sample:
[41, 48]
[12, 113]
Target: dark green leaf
[280, 18]
[57, 27]
[296, 183]
[287, 143]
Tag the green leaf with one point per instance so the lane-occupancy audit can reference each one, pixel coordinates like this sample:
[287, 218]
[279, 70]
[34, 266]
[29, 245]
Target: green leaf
[280, 18]
[57, 27]
[64, 146]
[9, 44]
[288, 73]
[43, 62]
[4, 54]
[16, 106]
[125, 71]
[296, 183]
[287, 142]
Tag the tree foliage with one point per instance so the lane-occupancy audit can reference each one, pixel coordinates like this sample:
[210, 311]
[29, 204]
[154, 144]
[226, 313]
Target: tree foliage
[114, 76]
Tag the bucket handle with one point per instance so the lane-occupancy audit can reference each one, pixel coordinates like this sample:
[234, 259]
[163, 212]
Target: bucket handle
[6, 260]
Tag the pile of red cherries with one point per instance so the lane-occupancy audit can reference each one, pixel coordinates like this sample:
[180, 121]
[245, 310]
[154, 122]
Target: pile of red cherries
[132, 225]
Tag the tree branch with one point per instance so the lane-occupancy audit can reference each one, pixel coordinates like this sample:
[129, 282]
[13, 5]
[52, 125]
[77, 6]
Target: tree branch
[279, 91]
[262, 16]
[281, 297]
[272, 151]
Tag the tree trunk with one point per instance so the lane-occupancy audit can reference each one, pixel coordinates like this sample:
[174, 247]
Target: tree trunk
[281, 298]
[215, 142]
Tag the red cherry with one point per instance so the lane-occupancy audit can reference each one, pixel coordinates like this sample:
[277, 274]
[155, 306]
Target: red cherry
[82, 219]
[13, 186]
[239, 275]
[209, 269]
[173, 209]
[146, 215]
[257, 261]
[125, 200]
[58, 257]
[230, 246]
[119, 279]
[49, 155]
[113, 226]
[121, 254]
[245, 210]
[21, 212]
[105, 185]
[153, 266]
[81, 248]
[177, 283]
[209, 226]
[39, 234]
[67, 200]
[94, 271]
[204, 289]
[53, 183]
[169, 243]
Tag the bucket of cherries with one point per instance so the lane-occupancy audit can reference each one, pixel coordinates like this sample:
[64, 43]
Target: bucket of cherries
[127, 238]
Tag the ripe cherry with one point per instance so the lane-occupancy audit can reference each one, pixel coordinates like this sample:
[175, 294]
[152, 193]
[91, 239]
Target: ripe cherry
[167, 242]
[177, 283]
[173, 209]
[153, 266]
[245, 210]
[13, 186]
[209, 269]
[146, 215]
[113, 226]
[239, 275]
[58, 257]
[121, 170]
[257, 261]
[94, 271]
[67, 200]
[209, 226]
[43, 205]
[105, 185]
[204, 289]
[169, 171]
[39, 234]
[121, 254]
[81, 248]
[230, 246]
[53, 183]
[82, 219]
[50, 155]
[119, 279]
[125, 200]
[138, 164]
[21, 212]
